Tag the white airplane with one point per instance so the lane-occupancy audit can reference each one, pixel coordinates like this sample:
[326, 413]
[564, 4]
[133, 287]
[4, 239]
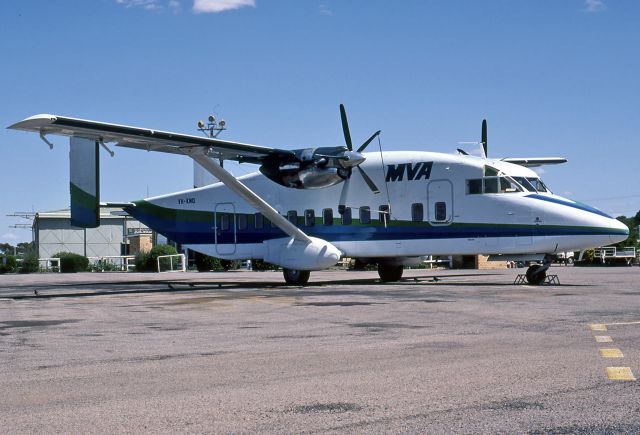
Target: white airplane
[307, 208]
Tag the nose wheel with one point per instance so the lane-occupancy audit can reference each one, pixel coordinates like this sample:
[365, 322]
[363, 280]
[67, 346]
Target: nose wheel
[536, 274]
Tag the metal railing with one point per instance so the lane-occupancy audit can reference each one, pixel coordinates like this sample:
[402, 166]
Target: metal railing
[123, 263]
[48, 264]
[182, 261]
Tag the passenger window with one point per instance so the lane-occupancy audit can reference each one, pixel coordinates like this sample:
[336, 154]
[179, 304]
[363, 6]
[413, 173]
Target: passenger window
[327, 216]
[224, 222]
[474, 186]
[292, 216]
[346, 217]
[491, 185]
[258, 221]
[440, 211]
[309, 218]
[242, 222]
[383, 214]
[417, 212]
[365, 215]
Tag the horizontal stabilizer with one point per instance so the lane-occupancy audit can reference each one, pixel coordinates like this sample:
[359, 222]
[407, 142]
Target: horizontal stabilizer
[535, 161]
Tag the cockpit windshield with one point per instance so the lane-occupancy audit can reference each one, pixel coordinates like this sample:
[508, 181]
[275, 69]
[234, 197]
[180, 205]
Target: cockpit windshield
[532, 184]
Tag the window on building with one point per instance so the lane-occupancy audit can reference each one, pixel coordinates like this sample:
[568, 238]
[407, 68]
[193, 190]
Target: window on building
[242, 222]
[346, 217]
[327, 216]
[417, 212]
[258, 220]
[440, 211]
[309, 218]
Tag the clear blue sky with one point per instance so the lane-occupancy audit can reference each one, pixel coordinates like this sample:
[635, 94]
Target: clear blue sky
[553, 78]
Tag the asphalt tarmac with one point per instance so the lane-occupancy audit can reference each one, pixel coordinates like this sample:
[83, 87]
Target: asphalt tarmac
[239, 352]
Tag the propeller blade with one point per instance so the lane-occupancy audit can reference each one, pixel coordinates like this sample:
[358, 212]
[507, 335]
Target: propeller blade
[368, 180]
[342, 205]
[484, 137]
[368, 141]
[345, 128]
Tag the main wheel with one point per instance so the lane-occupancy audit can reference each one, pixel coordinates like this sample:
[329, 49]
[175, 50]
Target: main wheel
[389, 273]
[296, 277]
[536, 274]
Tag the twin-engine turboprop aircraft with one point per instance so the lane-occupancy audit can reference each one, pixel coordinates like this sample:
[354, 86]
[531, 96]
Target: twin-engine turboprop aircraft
[307, 208]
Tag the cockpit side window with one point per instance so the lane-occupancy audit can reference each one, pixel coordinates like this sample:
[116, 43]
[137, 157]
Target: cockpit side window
[525, 183]
[507, 185]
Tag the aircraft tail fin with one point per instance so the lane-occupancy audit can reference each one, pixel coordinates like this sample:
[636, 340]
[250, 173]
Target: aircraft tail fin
[84, 182]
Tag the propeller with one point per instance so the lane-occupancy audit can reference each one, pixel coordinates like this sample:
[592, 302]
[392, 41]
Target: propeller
[354, 156]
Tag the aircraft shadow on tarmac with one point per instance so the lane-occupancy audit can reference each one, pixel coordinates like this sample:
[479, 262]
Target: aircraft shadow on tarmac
[315, 288]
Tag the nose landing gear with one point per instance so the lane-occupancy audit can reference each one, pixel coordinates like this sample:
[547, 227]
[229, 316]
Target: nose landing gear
[537, 273]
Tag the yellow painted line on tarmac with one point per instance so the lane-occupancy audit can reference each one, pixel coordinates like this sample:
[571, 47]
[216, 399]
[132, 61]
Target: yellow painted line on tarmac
[603, 339]
[598, 327]
[620, 374]
[622, 323]
[611, 353]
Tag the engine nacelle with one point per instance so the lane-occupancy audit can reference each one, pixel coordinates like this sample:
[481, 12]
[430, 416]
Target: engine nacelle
[299, 255]
[311, 168]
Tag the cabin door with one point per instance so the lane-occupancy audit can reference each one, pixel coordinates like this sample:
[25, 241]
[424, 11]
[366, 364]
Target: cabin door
[225, 228]
[440, 201]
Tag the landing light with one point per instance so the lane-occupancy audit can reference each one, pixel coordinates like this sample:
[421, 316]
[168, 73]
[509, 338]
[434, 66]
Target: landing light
[212, 119]
[222, 123]
[200, 124]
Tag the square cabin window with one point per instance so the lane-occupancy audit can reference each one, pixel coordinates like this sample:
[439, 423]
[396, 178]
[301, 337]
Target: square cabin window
[242, 222]
[417, 212]
[309, 218]
[327, 216]
[225, 222]
[258, 221]
[440, 211]
[292, 216]
[346, 217]
[365, 215]
[383, 214]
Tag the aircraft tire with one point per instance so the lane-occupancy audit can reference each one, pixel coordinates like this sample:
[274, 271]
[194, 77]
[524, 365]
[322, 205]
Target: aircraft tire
[390, 273]
[296, 277]
[535, 274]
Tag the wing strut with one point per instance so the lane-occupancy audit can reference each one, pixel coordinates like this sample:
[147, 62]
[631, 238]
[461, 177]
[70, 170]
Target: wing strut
[200, 156]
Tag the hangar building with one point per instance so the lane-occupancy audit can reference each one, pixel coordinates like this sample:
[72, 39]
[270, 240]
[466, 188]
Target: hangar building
[118, 234]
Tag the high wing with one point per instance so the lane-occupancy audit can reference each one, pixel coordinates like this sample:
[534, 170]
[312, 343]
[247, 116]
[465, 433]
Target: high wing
[535, 161]
[200, 149]
[149, 140]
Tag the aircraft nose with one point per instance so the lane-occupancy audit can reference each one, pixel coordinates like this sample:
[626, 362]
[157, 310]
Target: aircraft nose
[621, 231]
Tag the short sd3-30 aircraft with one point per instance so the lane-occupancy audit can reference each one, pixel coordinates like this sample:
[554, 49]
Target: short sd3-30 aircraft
[307, 208]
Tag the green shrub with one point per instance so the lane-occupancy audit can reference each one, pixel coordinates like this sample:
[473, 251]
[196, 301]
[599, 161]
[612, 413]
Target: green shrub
[7, 264]
[72, 263]
[261, 265]
[29, 264]
[205, 263]
[148, 261]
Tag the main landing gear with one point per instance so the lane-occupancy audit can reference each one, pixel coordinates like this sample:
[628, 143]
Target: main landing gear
[296, 277]
[390, 273]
